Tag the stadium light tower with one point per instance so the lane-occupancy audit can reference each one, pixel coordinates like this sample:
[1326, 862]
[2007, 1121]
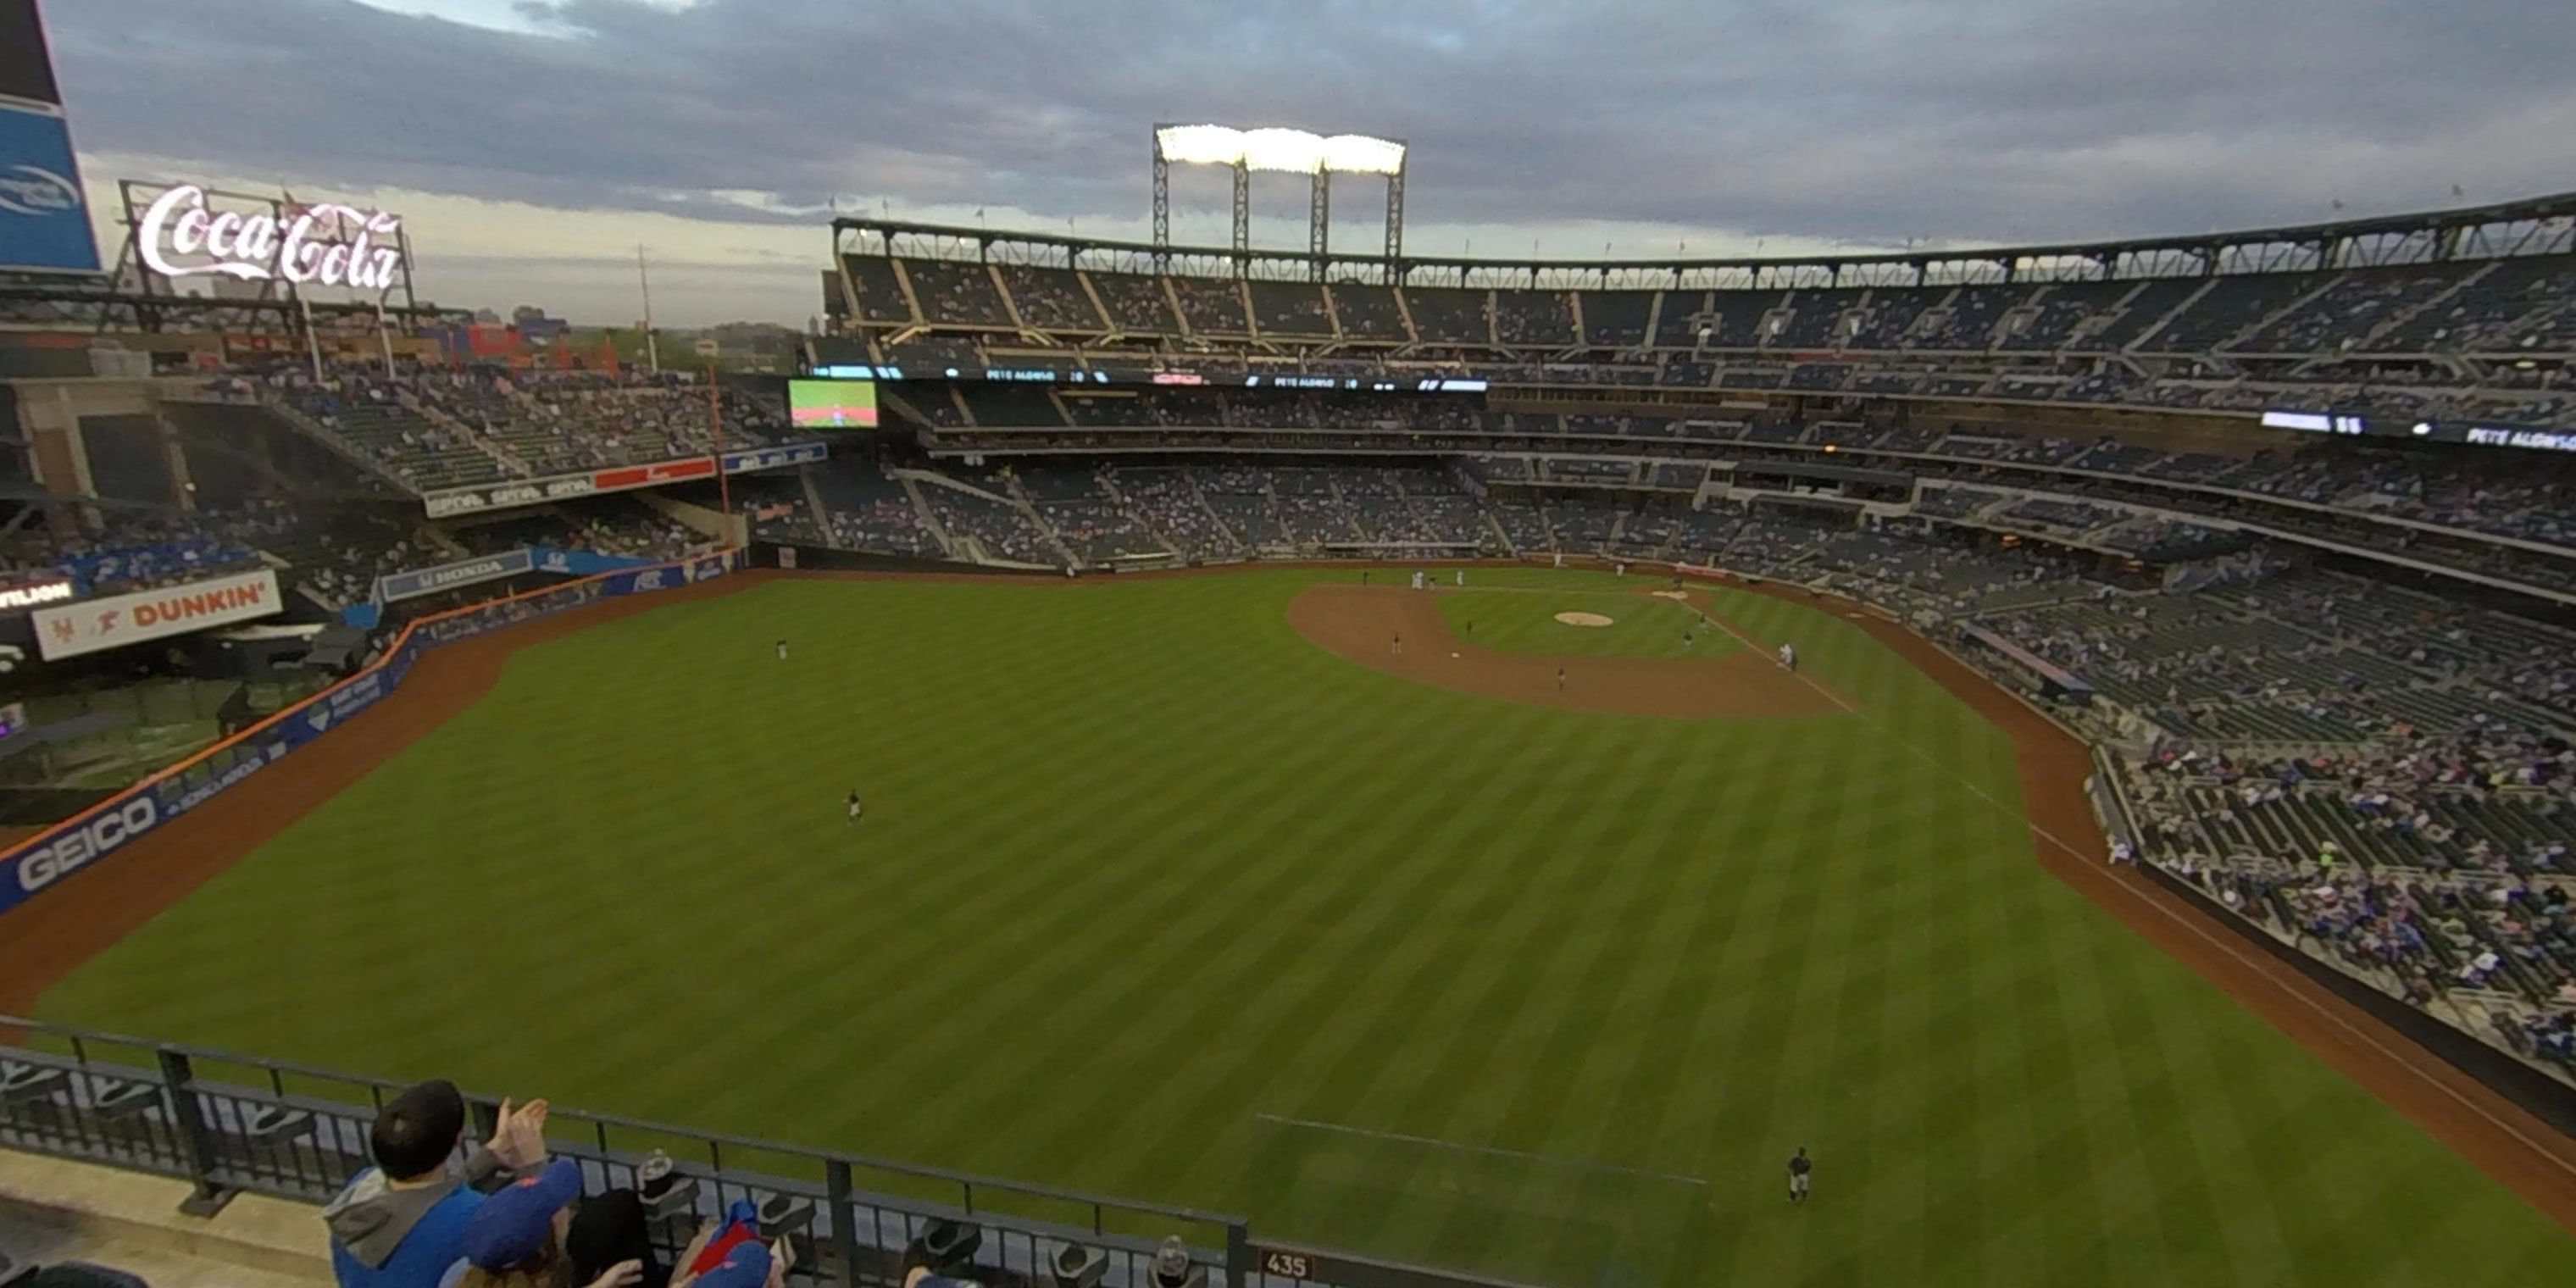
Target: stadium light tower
[1282, 151]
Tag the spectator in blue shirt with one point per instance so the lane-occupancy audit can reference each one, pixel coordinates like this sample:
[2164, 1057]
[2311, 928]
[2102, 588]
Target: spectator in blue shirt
[401, 1223]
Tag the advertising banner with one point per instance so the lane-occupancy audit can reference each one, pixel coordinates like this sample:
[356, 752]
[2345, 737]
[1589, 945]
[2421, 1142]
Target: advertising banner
[622, 478]
[396, 587]
[31, 594]
[119, 620]
[70, 846]
[503, 496]
[581, 563]
[44, 214]
[770, 458]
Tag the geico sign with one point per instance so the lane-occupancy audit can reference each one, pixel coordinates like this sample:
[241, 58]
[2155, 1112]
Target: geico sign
[76, 847]
[304, 246]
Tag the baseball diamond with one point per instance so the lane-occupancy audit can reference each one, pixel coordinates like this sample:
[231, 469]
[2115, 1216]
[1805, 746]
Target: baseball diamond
[1985, 697]
[1148, 859]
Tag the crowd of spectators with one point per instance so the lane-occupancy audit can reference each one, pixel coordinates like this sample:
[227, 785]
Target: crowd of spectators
[436, 1208]
[2342, 491]
[435, 427]
[137, 549]
[2438, 867]
[2375, 328]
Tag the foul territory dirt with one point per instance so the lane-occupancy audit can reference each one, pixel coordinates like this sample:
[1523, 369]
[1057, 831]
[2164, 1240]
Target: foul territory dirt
[46, 938]
[1363, 624]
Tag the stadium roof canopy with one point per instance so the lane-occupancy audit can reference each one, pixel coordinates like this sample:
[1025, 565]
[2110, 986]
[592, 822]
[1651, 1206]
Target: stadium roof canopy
[2527, 226]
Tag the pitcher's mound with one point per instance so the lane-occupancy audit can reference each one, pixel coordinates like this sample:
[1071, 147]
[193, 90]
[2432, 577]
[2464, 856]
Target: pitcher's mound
[1582, 619]
[1361, 624]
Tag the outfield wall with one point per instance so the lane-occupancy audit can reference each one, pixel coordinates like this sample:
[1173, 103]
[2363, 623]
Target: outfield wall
[29, 869]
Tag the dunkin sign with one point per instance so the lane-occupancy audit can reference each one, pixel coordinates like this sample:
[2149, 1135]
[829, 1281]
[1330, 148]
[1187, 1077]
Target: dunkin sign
[119, 620]
[325, 244]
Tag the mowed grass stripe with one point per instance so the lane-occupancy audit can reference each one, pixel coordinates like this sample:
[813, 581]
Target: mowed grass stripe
[1141, 863]
[1315, 979]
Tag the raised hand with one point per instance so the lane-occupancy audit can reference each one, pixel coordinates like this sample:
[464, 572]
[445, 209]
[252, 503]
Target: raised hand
[519, 1139]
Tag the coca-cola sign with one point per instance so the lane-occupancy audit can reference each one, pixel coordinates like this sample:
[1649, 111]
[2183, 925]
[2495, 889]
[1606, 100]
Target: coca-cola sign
[325, 244]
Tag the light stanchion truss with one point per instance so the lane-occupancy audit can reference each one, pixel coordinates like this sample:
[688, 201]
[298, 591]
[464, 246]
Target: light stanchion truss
[1279, 151]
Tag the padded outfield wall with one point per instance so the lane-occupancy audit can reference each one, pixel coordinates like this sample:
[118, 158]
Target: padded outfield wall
[95, 835]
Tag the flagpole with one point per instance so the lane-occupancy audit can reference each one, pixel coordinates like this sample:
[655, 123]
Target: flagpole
[652, 349]
[724, 482]
[312, 342]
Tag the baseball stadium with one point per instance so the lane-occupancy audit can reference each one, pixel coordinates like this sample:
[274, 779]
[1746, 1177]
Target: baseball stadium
[1142, 763]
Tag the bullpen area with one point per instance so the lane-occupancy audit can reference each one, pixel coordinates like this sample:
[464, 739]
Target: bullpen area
[1437, 924]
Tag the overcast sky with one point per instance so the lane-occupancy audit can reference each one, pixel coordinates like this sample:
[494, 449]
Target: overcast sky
[533, 143]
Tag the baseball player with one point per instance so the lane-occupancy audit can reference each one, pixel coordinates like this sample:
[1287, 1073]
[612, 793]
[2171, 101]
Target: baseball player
[857, 807]
[1399, 646]
[1798, 1169]
[1686, 641]
[1560, 679]
[782, 650]
[1789, 656]
[1462, 579]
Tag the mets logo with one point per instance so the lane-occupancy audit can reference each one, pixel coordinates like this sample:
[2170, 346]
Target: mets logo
[36, 191]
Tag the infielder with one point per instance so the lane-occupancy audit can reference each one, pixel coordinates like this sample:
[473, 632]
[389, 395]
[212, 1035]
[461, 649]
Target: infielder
[857, 807]
[782, 650]
[1399, 646]
[1789, 656]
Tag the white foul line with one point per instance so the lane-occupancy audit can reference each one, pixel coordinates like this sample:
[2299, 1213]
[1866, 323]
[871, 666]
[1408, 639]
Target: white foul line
[2187, 923]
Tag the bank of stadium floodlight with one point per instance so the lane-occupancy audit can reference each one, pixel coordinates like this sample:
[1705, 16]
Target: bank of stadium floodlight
[1283, 151]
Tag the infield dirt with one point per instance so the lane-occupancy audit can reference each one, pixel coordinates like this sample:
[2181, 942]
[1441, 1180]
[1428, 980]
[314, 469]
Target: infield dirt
[1362, 624]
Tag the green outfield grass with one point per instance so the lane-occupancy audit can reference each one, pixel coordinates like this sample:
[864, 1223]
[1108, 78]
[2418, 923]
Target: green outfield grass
[1511, 619]
[1141, 865]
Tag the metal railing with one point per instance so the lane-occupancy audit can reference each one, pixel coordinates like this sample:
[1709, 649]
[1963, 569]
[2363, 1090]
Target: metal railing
[229, 1124]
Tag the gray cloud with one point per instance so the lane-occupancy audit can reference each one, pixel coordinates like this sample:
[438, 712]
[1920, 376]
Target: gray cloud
[1868, 120]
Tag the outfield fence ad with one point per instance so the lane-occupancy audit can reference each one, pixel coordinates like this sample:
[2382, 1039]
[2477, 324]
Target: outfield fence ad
[30, 868]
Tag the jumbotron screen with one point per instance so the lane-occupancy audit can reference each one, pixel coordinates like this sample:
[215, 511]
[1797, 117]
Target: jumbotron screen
[832, 404]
